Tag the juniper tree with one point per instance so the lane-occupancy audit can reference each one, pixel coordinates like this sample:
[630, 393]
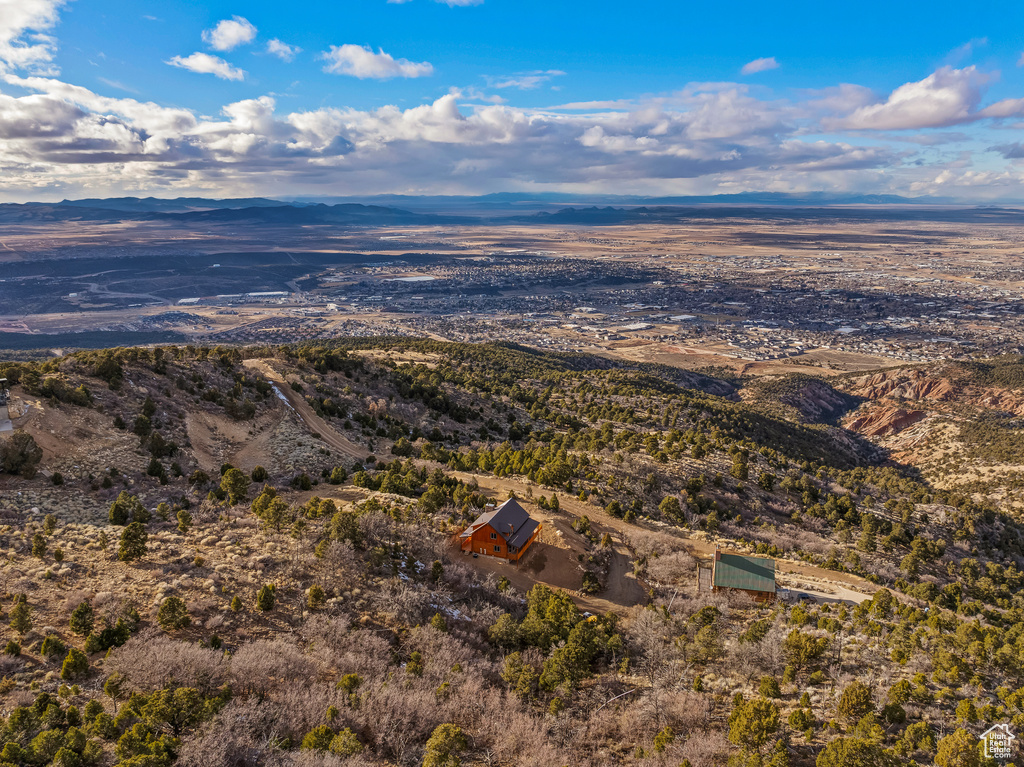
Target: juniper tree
[82, 619]
[173, 614]
[133, 543]
[21, 617]
[265, 598]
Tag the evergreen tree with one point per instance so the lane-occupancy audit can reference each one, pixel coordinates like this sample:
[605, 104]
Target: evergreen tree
[959, 749]
[444, 745]
[75, 665]
[133, 543]
[82, 619]
[856, 701]
[21, 617]
[184, 521]
[173, 614]
[265, 598]
[753, 723]
[235, 484]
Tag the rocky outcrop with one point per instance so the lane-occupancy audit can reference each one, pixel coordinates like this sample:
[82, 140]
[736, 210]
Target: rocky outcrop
[914, 385]
[817, 402]
[884, 421]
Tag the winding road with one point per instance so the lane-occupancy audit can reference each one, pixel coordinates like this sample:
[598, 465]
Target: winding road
[298, 405]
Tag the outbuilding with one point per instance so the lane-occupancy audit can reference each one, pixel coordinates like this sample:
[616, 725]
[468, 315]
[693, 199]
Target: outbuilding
[735, 572]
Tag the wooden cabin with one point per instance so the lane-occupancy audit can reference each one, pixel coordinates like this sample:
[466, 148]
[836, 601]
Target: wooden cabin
[506, 532]
[754, 575]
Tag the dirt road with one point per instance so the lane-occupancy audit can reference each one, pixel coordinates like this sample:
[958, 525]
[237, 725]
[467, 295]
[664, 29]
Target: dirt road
[298, 405]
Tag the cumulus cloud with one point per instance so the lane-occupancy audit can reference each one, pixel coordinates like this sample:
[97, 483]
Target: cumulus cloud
[204, 63]
[707, 135]
[24, 43]
[282, 50]
[228, 34]
[524, 81]
[946, 97]
[759, 65]
[362, 62]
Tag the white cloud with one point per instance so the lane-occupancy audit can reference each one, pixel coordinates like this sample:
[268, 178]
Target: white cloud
[705, 137]
[117, 84]
[204, 63]
[965, 51]
[362, 62]
[282, 50]
[524, 80]
[229, 34]
[24, 43]
[946, 97]
[759, 65]
[451, 3]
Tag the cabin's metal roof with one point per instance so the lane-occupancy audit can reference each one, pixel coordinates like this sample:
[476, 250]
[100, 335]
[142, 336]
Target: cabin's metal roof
[733, 571]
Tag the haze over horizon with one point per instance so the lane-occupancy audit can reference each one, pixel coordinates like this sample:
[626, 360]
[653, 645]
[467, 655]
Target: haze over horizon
[104, 98]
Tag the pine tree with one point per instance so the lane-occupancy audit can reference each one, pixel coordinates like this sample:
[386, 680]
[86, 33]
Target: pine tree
[173, 614]
[236, 485]
[21, 617]
[133, 543]
[316, 597]
[184, 521]
[753, 723]
[265, 598]
[444, 746]
[76, 664]
[82, 619]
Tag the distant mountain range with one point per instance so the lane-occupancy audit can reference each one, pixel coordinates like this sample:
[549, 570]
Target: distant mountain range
[545, 208]
[555, 199]
[197, 211]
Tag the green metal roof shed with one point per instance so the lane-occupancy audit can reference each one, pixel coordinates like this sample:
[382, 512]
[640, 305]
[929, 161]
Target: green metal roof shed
[732, 571]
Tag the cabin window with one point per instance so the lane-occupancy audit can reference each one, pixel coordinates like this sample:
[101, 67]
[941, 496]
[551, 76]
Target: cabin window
[494, 536]
[497, 548]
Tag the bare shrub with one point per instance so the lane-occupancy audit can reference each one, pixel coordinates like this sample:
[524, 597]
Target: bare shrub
[675, 568]
[326, 632]
[402, 720]
[339, 564]
[74, 599]
[242, 735]
[441, 652]
[511, 736]
[404, 601]
[705, 749]
[151, 661]
[265, 665]
[377, 528]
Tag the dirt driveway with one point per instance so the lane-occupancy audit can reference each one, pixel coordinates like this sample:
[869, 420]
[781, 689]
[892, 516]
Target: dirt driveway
[305, 413]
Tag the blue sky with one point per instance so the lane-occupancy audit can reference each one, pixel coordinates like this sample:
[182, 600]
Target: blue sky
[103, 97]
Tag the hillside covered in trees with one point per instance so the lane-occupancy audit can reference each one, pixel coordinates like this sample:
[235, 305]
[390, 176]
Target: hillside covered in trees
[246, 556]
